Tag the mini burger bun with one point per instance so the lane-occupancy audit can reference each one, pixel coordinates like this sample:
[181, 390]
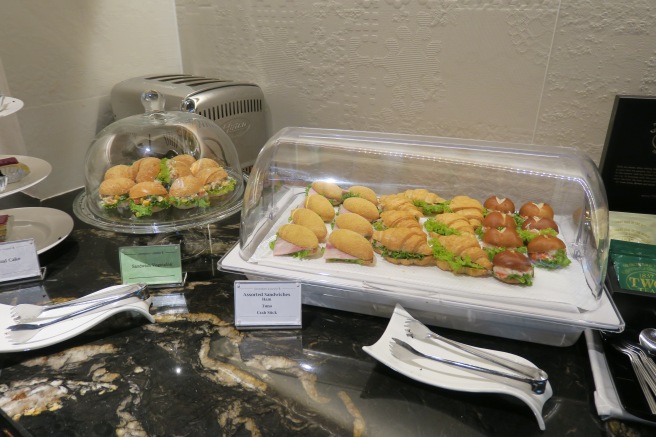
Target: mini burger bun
[539, 223]
[352, 243]
[203, 163]
[143, 189]
[320, 205]
[298, 235]
[497, 219]
[311, 220]
[118, 171]
[362, 207]
[147, 169]
[329, 190]
[365, 193]
[502, 204]
[355, 223]
[185, 186]
[211, 174]
[545, 243]
[187, 159]
[532, 209]
[506, 237]
[115, 186]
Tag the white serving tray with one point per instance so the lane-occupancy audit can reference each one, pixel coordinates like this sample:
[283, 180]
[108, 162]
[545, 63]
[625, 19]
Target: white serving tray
[555, 310]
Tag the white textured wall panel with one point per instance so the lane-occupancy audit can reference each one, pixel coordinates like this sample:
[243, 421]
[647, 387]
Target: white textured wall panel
[517, 70]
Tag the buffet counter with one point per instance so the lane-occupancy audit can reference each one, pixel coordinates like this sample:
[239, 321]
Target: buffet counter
[192, 373]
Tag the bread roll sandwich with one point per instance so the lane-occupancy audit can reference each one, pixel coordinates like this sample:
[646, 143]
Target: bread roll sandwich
[187, 159]
[460, 254]
[170, 170]
[348, 246]
[449, 223]
[216, 182]
[502, 237]
[13, 170]
[501, 204]
[329, 190]
[396, 219]
[512, 268]
[532, 209]
[311, 220]
[187, 192]
[115, 192]
[355, 223]
[401, 203]
[147, 198]
[497, 219]
[548, 252]
[429, 202]
[361, 191]
[202, 163]
[145, 169]
[296, 241]
[534, 226]
[320, 205]
[118, 171]
[405, 246]
[360, 206]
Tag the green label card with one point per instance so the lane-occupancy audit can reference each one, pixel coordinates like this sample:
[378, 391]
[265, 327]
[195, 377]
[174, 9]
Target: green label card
[151, 264]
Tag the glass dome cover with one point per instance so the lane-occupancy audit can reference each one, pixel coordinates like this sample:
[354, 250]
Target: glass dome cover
[160, 171]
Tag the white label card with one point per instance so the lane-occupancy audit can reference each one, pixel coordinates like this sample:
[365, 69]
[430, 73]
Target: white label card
[19, 260]
[262, 304]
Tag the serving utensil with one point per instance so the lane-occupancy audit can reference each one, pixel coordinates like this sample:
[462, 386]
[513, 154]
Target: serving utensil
[647, 384]
[23, 332]
[406, 352]
[647, 339]
[415, 329]
[25, 312]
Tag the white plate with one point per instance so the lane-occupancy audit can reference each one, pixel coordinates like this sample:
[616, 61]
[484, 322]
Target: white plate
[39, 170]
[9, 105]
[451, 377]
[47, 226]
[69, 328]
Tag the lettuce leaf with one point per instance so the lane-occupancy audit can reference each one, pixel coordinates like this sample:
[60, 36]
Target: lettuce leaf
[455, 262]
[396, 254]
[559, 260]
[433, 225]
[433, 208]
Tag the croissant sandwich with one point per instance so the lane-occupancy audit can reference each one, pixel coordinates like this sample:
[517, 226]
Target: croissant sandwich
[447, 224]
[397, 219]
[400, 202]
[461, 254]
[406, 246]
[469, 208]
[430, 203]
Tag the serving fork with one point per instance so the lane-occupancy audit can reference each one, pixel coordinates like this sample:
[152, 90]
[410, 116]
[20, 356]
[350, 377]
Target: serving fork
[406, 352]
[415, 329]
[646, 382]
[25, 312]
[23, 332]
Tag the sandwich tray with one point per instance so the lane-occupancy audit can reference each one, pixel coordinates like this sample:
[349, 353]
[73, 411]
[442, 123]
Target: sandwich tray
[555, 310]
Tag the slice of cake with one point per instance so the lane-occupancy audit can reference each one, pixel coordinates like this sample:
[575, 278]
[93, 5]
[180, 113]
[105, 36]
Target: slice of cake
[5, 227]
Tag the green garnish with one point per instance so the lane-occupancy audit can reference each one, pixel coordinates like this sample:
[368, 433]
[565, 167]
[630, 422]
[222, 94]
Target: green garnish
[559, 259]
[433, 225]
[456, 263]
[396, 254]
[433, 208]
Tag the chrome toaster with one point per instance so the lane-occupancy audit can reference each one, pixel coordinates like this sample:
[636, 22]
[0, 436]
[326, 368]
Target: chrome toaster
[237, 107]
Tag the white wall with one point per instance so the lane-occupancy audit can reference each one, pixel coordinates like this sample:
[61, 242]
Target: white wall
[542, 71]
[537, 71]
[62, 58]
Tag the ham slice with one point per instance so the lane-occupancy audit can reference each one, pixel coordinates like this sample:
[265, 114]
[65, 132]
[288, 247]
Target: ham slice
[332, 252]
[284, 247]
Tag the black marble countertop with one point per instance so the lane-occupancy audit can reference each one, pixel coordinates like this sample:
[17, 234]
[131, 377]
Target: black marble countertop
[193, 374]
